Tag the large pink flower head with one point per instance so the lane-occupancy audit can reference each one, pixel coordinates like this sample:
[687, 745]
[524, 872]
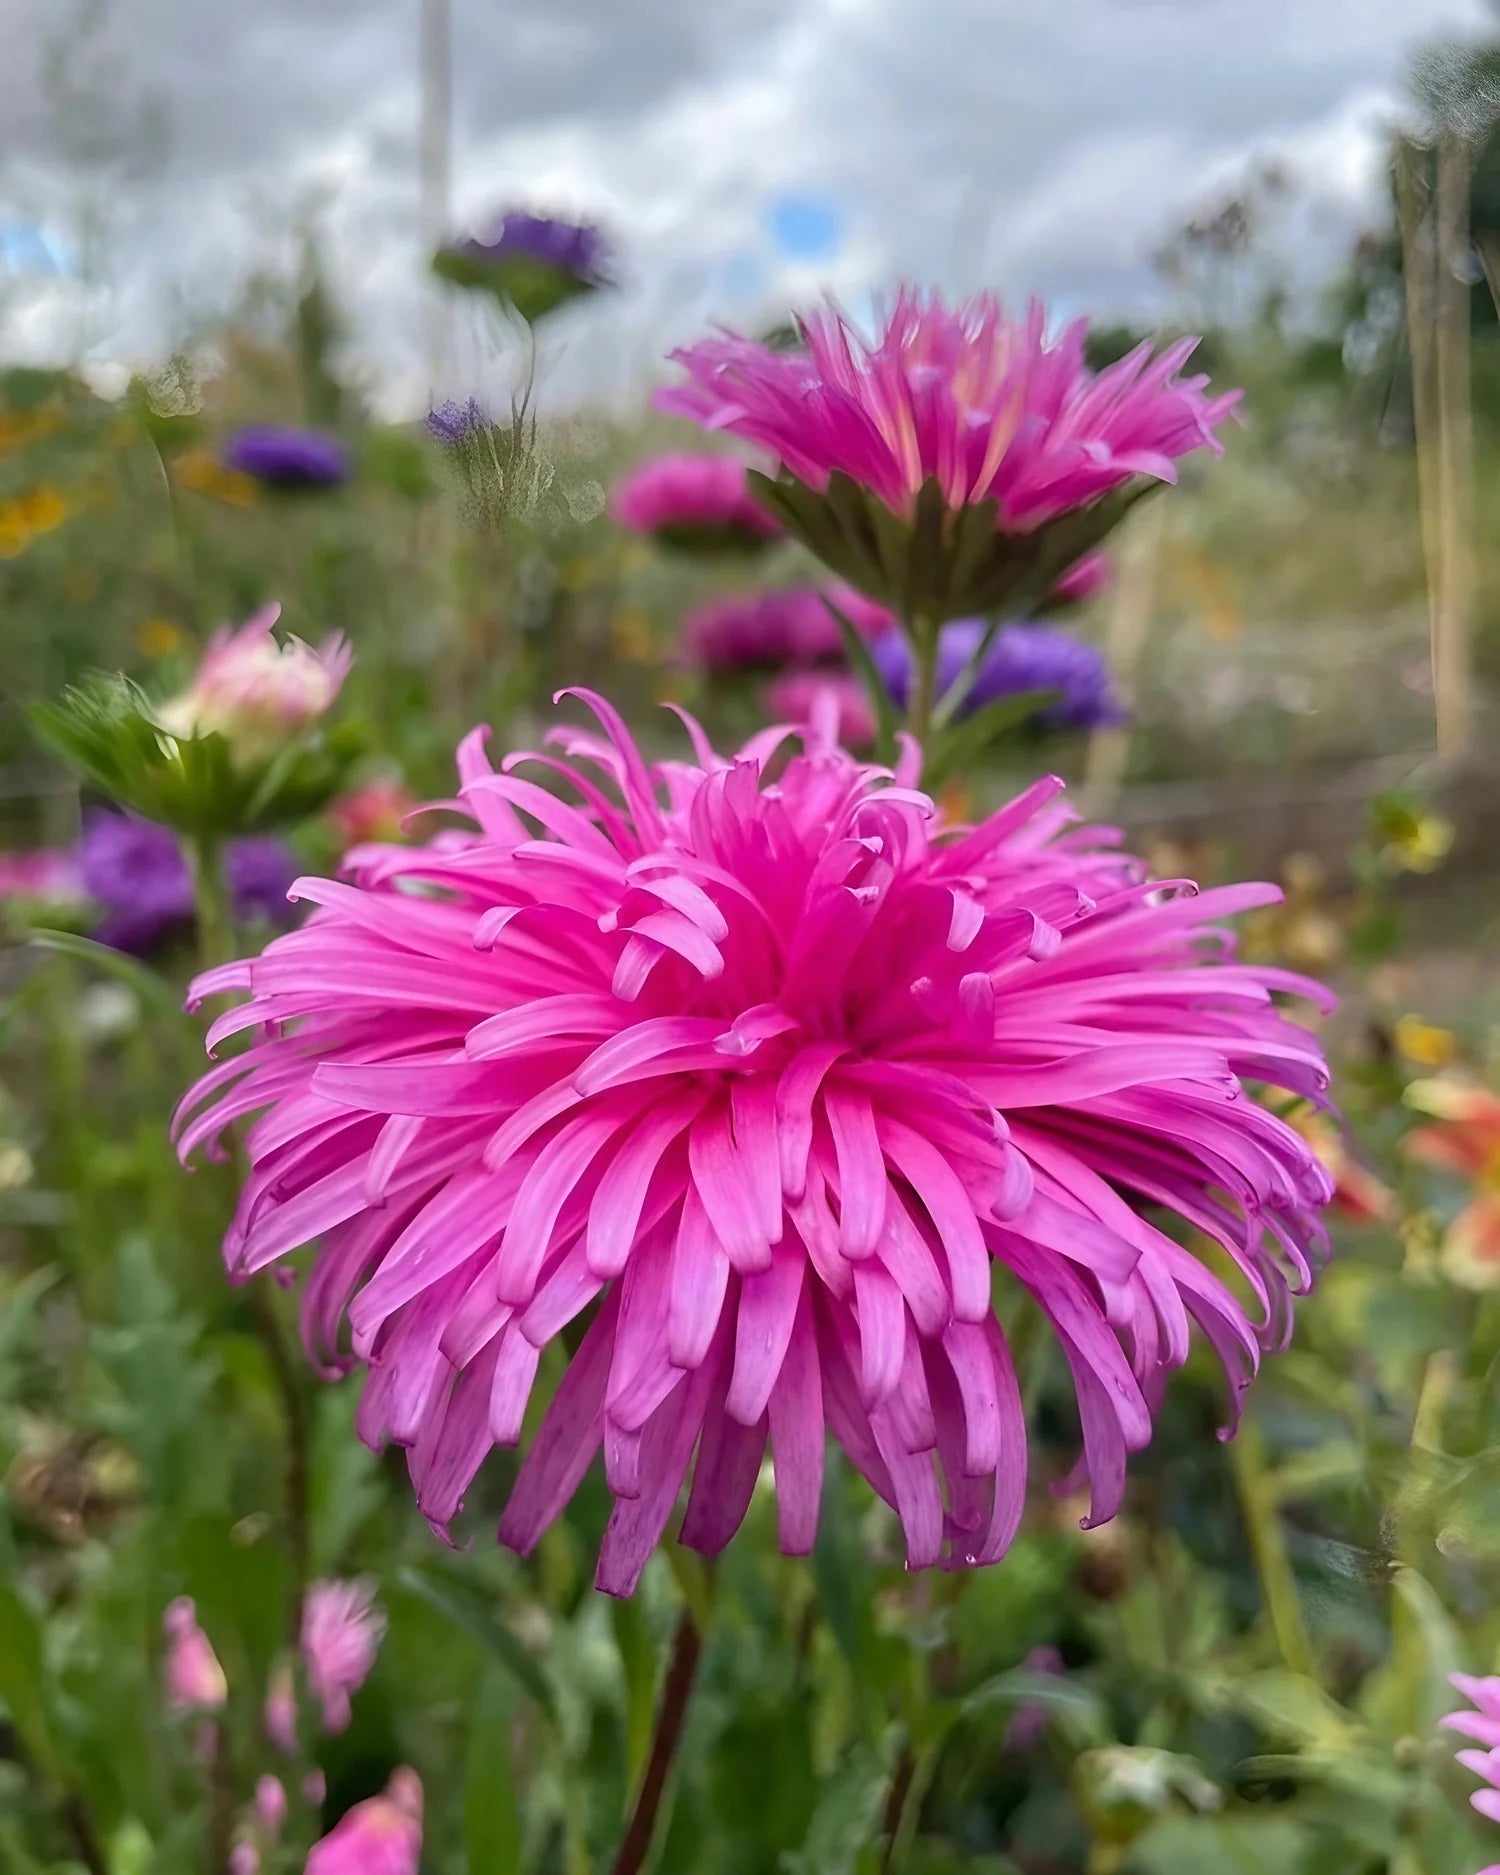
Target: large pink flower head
[968, 402]
[782, 1091]
[693, 502]
[257, 692]
[341, 1634]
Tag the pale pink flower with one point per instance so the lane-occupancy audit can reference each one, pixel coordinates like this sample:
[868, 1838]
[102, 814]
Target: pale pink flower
[992, 406]
[780, 1082]
[693, 501]
[315, 1787]
[341, 1634]
[257, 692]
[49, 875]
[270, 1804]
[280, 1714]
[381, 1836]
[194, 1679]
[244, 1858]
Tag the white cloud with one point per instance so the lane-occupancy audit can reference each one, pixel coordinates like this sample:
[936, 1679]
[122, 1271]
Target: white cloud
[966, 141]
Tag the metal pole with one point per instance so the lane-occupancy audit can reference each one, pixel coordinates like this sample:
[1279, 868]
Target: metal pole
[436, 146]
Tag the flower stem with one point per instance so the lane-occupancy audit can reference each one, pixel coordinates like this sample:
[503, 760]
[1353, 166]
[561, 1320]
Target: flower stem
[923, 636]
[682, 1670]
[1273, 1565]
[296, 1486]
[215, 914]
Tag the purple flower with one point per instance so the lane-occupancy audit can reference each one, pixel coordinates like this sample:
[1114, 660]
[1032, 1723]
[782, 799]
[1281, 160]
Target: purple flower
[455, 423]
[1028, 1723]
[535, 262]
[260, 872]
[1022, 658]
[137, 874]
[282, 456]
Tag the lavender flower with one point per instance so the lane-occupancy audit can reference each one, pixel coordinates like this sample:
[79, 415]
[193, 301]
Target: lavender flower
[1021, 658]
[282, 456]
[456, 424]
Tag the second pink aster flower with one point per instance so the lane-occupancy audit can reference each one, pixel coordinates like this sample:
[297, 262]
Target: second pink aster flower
[341, 1635]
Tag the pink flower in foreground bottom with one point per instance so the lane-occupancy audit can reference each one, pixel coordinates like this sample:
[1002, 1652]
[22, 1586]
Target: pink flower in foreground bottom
[195, 1680]
[341, 1635]
[381, 1836]
[1482, 1724]
[782, 1084]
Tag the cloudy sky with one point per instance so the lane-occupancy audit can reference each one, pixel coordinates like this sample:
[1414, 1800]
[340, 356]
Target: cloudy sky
[745, 152]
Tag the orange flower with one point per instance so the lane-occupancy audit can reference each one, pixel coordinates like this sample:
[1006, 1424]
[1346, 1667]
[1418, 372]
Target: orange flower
[1357, 1192]
[1466, 1140]
[198, 470]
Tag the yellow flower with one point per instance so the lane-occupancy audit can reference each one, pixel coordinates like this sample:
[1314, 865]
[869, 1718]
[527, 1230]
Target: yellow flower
[15, 535]
[1425, 1044]
[630, 637]
[197, 469]
[41, 509]
[1415, 841]
[157, 637]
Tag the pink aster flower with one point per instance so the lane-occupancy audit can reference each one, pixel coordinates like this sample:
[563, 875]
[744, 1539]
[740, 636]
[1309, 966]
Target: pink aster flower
[280, 1713]
[772, 628]
[1482, 1724]
[846, 712]
[256, 692]
[693, 501]
[270, 1804]
[772, 1082]
[194, 1679]
[48, 875]
[381, 1836]
[1084, 580]
[341, 1634]
[988, 405]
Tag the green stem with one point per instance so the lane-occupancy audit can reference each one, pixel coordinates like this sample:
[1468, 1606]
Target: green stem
[903, 1810]
[297, 1493]
[923, 635]
[1278, 1583]
[215, 912]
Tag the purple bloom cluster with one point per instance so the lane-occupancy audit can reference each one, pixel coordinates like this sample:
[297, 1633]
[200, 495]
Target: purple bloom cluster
[454, 423]
[577, 247]
[137, 874]
[283, 456]
[1022, 658]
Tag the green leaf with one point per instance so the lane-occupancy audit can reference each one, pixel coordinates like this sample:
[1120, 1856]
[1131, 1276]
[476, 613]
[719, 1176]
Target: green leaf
[849, 1813]
[1080, 1709]
[957, 748]
[863, 666]
[23, 1679]
[638, 1666]
[467, 1609]
[154, 990]
[492, 1818]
